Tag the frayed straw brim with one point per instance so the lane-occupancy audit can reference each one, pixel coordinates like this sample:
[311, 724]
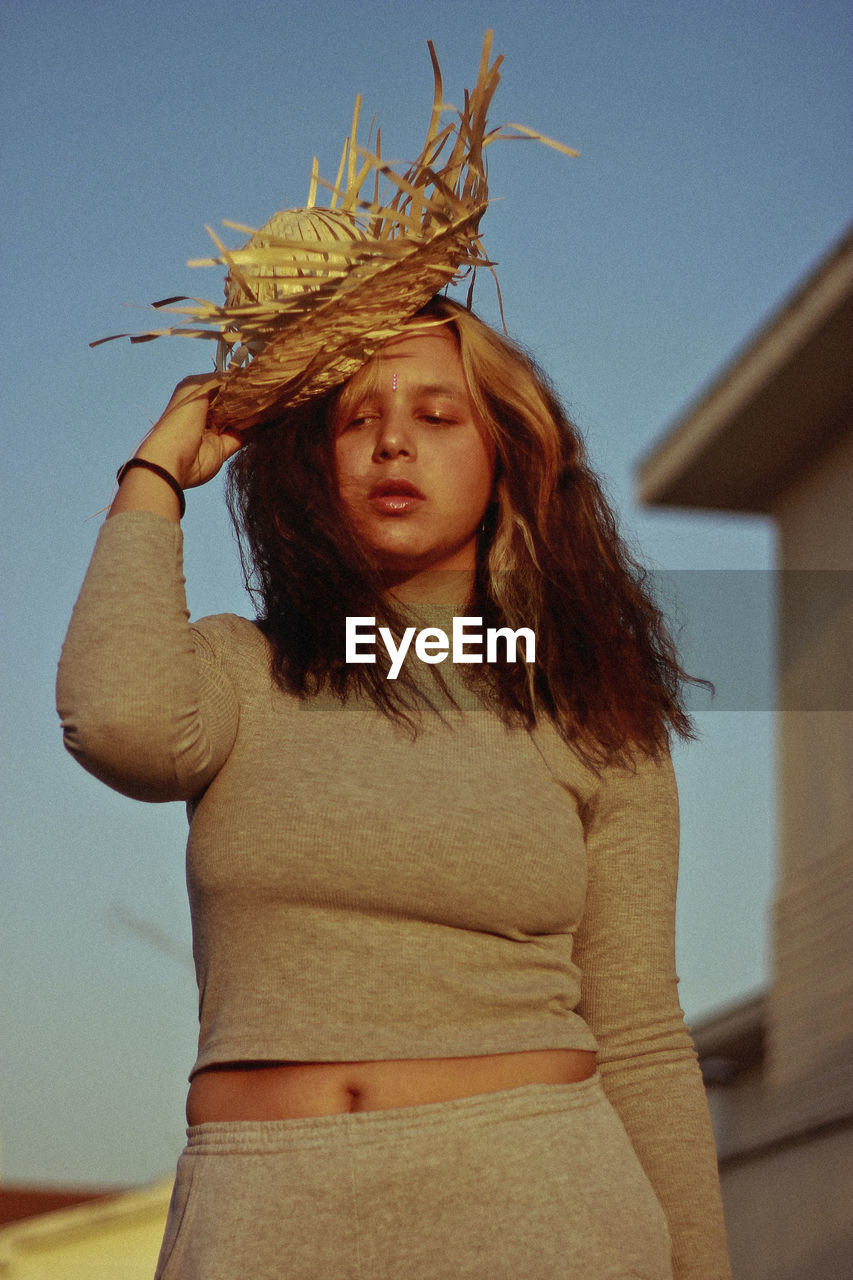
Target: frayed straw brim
[316, 291]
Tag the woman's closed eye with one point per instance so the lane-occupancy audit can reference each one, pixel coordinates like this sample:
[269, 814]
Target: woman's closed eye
[437, 414]
[355, 421]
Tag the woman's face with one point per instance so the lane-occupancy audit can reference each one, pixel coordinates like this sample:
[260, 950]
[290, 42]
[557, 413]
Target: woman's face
[415, 468]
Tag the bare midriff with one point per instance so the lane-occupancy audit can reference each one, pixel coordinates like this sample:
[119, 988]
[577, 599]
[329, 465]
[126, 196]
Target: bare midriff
[289, 1090]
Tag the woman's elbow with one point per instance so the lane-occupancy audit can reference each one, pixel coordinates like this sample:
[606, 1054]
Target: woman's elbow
[137, 763]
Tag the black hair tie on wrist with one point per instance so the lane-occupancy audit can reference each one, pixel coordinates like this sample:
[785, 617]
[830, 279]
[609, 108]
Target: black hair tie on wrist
[158, 471]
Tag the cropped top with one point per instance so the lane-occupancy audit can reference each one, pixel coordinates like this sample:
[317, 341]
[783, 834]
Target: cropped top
[359, 894]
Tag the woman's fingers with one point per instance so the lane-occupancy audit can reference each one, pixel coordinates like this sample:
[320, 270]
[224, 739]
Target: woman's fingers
[214, 450]
[182, 442]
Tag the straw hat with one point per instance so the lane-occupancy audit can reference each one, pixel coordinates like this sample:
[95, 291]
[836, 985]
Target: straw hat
[315, 291]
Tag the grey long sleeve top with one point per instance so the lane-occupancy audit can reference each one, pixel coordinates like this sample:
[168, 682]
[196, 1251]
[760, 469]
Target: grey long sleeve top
[359, 895]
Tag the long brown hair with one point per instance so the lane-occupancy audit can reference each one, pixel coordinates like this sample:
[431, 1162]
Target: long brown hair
[550, 558]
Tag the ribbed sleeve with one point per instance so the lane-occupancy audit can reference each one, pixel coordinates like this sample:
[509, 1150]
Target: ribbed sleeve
[143, 707]
[626, 952]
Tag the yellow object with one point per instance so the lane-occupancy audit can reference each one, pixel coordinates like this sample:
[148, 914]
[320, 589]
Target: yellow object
[113, 1239]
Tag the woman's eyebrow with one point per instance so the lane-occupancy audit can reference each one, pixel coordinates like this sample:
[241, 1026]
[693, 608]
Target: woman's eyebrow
[440, 389]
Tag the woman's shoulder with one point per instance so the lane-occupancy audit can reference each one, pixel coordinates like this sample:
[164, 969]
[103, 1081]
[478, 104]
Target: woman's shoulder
[229, 638]
[641, 778]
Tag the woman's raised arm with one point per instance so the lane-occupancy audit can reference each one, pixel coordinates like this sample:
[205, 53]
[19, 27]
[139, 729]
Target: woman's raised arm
[144, 704]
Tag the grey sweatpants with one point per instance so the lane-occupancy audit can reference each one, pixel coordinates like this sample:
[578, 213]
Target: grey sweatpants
[538, 1182]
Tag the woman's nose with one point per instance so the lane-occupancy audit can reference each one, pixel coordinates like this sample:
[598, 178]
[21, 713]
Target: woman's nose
[394, 438]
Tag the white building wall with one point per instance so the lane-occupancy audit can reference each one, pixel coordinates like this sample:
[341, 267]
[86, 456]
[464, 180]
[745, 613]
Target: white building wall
[811, 1004]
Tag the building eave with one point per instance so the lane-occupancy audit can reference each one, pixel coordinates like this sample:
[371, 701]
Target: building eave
[786, 395]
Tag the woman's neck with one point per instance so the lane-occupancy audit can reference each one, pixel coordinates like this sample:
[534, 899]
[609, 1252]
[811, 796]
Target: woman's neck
[451, 588]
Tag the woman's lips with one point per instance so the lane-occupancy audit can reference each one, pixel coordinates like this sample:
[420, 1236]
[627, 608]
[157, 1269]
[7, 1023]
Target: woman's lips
[395, 497]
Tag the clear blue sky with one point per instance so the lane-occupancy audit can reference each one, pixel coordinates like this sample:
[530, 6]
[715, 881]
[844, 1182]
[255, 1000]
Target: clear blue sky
[713, 175]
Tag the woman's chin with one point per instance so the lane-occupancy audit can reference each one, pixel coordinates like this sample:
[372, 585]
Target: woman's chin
[402, 562]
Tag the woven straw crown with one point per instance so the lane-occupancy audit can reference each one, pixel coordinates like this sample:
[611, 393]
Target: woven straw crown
[315, 291]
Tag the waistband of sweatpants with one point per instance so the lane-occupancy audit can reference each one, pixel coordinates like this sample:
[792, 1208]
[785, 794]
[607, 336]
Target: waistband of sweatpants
[250, 1137]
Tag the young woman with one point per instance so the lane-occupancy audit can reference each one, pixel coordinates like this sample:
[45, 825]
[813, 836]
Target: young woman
[433, 915]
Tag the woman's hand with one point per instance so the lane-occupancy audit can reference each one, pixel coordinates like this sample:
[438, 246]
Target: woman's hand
[182, 443]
